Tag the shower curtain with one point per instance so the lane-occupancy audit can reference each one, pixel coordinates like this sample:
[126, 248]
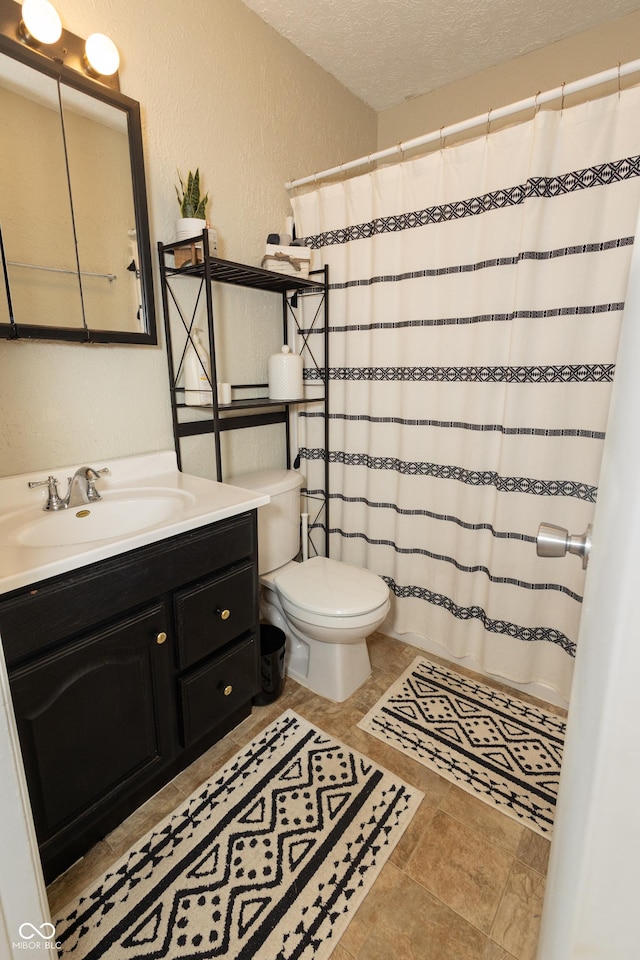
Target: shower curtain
[476, 296]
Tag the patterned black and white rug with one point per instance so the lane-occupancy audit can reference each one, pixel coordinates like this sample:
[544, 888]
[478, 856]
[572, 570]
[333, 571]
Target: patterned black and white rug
[500, 749]
[268, 860]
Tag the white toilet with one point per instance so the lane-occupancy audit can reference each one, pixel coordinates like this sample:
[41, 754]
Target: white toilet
[326, 608]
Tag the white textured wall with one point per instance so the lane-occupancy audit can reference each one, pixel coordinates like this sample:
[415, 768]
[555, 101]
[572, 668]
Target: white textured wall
[219, 90]
[571, 59]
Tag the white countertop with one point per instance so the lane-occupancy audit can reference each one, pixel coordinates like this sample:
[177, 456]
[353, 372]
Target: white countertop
[146, 477]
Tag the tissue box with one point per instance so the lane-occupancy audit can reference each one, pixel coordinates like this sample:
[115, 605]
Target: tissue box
[291, 260]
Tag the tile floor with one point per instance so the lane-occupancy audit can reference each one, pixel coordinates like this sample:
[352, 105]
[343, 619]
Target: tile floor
[465, 882]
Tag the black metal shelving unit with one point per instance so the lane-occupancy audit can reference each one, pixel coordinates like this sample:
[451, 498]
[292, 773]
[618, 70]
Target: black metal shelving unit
[242, 412]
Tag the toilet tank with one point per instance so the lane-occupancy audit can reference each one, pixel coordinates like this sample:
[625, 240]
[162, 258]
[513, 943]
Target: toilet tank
[279, 520]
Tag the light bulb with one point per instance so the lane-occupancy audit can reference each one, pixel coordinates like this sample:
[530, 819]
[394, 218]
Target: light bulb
[40, 22]
[101, 55]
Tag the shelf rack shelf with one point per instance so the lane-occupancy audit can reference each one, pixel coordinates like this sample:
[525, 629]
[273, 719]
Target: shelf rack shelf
[215, 419]
[240, 274]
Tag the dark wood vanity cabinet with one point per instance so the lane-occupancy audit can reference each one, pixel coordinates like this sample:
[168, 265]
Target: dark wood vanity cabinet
[124, 672]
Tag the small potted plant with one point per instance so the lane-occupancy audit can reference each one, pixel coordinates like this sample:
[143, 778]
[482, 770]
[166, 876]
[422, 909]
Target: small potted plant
[192, 206]
[193, 221]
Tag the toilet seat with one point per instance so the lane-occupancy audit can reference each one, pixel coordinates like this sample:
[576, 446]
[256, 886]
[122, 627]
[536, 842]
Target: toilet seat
[309, 618]
[321, 588]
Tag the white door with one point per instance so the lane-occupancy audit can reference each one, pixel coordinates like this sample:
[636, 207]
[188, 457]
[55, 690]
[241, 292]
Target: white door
[25, 925]
[593, 886]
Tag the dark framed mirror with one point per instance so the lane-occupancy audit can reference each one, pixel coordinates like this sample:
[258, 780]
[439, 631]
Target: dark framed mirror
[74, 233]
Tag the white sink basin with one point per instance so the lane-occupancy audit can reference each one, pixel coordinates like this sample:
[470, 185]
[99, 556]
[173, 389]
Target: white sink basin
[145, 499]
[103, 520]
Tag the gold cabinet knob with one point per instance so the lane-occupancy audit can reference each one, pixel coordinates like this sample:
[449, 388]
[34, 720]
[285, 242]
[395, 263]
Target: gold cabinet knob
[223, 614]
[161, 637]
[228, 689]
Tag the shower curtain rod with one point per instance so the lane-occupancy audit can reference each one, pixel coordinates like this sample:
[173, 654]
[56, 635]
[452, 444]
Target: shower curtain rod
[615, 73]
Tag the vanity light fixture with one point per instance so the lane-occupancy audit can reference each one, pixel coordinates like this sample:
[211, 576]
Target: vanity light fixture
[37, 25]
[101, 57]
[40, 23]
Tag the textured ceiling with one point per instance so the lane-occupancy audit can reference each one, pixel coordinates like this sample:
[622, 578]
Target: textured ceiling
[386, 51]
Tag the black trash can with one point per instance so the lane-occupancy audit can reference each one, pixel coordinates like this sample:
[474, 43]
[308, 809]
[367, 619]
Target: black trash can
[272, 644]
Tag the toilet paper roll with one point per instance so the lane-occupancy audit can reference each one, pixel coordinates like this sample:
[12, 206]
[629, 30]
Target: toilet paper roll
[224, 393]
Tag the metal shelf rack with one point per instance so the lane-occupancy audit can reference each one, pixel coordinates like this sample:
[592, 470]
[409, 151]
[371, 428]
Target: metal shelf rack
[205, 270]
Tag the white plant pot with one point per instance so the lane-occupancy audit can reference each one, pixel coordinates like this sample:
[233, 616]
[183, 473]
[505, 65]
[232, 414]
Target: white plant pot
[187, 227]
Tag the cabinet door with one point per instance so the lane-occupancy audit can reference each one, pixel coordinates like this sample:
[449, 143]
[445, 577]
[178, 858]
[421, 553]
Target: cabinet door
[95, 719]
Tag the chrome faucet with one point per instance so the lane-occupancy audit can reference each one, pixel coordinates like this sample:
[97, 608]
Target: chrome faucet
[82, 489]
[82, 486]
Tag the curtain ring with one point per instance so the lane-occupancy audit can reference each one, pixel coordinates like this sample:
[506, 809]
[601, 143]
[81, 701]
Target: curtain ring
[536, 105]
[400, 149]
[562, 99]
[443, 140]
[489, 121]
[618, 79]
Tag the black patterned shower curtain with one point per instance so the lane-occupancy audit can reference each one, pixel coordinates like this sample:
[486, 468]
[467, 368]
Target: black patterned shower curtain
[476, 300]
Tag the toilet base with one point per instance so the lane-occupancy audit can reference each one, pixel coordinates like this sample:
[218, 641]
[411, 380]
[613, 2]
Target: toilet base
[332, 670]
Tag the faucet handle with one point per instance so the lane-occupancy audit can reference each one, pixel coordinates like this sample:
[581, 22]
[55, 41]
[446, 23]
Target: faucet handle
[42, 483]
[93, 475]
[54, 502]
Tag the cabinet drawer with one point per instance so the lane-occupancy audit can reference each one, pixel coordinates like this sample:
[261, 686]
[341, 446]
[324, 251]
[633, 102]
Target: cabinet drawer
[211, 613]
[216, 690]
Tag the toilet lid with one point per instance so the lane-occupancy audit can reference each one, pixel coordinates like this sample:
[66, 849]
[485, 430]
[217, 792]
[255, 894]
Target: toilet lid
[331, 587]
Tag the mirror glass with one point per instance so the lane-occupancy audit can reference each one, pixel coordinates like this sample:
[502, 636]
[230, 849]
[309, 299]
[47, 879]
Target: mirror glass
[35, 210]
[97, 146]
[73, 215]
